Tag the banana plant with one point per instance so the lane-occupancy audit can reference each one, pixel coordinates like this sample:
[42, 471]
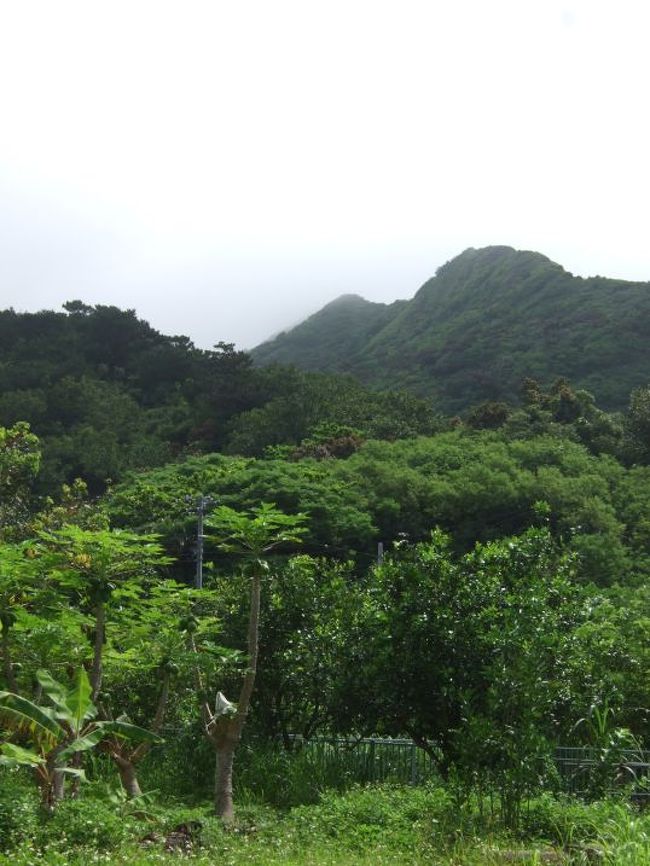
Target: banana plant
[56, 733]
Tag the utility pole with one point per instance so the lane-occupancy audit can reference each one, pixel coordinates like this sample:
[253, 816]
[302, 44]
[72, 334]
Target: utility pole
[380, 553]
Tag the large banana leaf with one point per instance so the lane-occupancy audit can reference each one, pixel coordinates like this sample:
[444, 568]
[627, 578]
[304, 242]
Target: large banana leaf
[23, 715]
[71, 705]
[81, 707]
[15, 756]
[103, 730]
[73, 771]
[82, 744]
[55, 691]
[126, 731]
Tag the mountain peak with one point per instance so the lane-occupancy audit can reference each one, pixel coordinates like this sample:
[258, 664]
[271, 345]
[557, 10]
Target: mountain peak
[496, 255]
[348, 299]
[489, 318]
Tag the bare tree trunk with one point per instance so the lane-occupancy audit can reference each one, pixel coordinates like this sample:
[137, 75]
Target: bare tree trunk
[58, 785]
[128, 759]
[223, 804]
[253, 647]
[7, 666]
[128, 777]
[96, 672]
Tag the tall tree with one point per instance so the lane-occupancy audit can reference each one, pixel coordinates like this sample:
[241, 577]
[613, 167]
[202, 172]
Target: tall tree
[253, 536]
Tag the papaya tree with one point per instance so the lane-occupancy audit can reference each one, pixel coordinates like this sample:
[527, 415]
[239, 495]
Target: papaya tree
[26, 590]
[102, 569]
[253, 536]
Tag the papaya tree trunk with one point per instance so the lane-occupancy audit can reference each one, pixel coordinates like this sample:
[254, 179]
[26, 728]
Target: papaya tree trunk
[7, 666]
[227, 732]
[96, 673]
[128, 758]
[223, 803]
[128, 776]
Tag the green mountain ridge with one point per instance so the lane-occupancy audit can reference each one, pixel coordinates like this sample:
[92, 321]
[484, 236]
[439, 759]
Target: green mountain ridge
[488, 319]
[337, 331]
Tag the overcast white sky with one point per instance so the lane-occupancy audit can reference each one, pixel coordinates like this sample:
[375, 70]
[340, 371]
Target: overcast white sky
[228, 167]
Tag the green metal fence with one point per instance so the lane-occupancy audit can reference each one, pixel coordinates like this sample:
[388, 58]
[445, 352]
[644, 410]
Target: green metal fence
[376, 759]
[400, 760]
[373, 759]
[577, 767]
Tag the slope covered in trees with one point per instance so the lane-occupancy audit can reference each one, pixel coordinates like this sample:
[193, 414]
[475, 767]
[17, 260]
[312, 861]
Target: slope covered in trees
[107, 393]
[332, 338]
[488, 319]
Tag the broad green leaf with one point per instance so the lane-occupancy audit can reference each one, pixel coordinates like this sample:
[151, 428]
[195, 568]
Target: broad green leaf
[77, 772]
[78, 700]
[127, 731]
[23, 715]
[16, 756]
[72, 705]
[82, 744]
[55, 691]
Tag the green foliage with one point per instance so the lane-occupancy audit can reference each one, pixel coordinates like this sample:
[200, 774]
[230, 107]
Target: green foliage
[25, 717]
[59, 732]
[19, 463]
[89, 824]
[488, 416]
[477, 486]
[638, 425]
[257, 533]
[106, 394]
[465, 656]
[380, 825]
[306, 618]
[309, 404]
[18, 810]
[484, 639]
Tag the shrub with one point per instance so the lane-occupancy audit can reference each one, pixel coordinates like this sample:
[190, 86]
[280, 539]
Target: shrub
[19, 809]
[88, 823]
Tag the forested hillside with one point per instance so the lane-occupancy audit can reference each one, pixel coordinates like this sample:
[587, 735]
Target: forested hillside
[332, 338]
[107, 393]
[488, 319]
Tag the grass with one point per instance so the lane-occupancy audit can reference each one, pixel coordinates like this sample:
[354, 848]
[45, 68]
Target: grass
[379, 825]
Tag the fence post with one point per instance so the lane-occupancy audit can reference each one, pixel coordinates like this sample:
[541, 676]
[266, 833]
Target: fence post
[414, 765]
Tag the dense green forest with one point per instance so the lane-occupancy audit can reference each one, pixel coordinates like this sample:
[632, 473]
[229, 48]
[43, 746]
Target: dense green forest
[488, 319]
[506, 613]
[105, 392]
